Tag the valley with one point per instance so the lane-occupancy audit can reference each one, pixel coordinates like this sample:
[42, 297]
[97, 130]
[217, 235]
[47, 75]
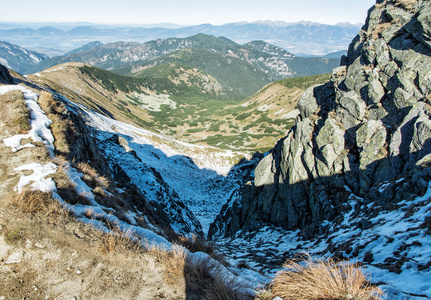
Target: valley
[213, 164]
[188, 114]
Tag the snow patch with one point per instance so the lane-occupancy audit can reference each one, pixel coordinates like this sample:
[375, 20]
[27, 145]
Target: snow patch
[154, 102]
[39, 122]
[38, 177]
[5, 63]
[291, 115]
[264, 107]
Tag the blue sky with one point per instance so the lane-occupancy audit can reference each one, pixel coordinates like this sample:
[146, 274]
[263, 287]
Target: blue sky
[186, 12]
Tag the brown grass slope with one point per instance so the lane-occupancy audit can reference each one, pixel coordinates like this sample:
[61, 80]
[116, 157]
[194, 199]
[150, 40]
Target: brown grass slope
[45, 253]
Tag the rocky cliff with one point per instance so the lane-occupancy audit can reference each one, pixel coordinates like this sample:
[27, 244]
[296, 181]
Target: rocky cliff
[5, 77]
[370, 125]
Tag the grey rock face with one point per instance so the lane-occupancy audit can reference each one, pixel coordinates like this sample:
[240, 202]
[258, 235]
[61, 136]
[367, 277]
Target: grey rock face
[371, 124]
[5, 77]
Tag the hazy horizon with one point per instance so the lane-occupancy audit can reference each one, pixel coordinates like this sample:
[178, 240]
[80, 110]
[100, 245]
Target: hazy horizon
[185, 13]
[153, 25]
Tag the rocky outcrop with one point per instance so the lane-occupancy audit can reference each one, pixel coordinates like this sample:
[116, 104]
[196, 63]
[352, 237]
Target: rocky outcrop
[369, 125]
[5, 77]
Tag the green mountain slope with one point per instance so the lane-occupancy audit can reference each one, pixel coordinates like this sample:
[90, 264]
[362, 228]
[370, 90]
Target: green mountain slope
[183, 102]
[256, 63]
[237, 76]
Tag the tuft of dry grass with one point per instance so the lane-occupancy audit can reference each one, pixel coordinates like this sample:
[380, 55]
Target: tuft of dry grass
[376, 33]
[118, 241]
[37, 202]
[207, 279]
[92, 176]
[175, 263]
[323, 279]
[14, 110]
[198, 244]
[264, 294]
[11, 236]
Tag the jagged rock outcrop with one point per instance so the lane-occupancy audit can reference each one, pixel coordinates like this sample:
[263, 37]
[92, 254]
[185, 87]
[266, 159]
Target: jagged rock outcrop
[370, 124]
[5, 77]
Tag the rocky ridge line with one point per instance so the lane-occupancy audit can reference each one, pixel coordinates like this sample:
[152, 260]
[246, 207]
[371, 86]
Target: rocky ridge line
[369, 125]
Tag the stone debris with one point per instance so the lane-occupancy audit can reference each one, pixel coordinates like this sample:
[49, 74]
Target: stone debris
[15, 258]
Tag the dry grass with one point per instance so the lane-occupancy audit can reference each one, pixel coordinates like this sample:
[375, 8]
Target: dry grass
[91, 175]
[118, 241]
[14, 109]
[323, 279]
[198, 244]
[72, 264]
[49, 104]
[207, 279]
[175, 263]
[60, 126]
[37, 202]
[406, 4]
[264, 294]
[376, 33]
[11, 235]
[65, 188]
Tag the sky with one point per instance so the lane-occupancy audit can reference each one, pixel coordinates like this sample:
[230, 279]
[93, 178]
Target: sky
[185, 12]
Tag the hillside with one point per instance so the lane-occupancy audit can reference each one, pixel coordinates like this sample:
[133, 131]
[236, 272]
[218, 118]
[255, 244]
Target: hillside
[77, 55]
[90, 205]
[18, 58]
[182, 102]
[235, 75]
[258, 61]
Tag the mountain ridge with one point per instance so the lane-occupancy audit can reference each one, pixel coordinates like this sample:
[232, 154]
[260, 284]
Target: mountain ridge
[18, 58]
[338, 36]
[241, 69]
[114, 55]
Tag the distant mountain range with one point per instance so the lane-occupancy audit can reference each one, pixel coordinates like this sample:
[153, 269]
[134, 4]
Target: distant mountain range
[301, 37]
[241, 69]
[18, 58]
